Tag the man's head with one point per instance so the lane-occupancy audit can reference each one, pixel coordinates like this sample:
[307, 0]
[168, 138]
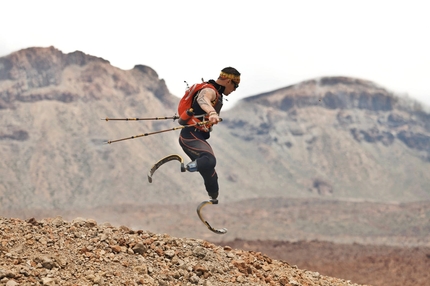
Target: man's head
[230, 79]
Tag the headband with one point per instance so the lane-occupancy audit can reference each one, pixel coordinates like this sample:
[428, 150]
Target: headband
[235, 78]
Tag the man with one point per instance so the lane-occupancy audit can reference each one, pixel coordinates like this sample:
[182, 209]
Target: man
[207, 102]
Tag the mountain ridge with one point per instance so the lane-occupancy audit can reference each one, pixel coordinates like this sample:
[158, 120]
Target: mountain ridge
[334, 138]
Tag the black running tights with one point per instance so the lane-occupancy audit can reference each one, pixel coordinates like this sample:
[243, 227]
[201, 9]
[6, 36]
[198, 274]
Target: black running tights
[198, 149]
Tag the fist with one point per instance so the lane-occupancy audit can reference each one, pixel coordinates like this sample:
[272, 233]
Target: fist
[214, 118]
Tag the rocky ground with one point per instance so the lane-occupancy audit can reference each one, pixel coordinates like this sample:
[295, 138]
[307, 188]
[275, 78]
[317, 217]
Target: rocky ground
[82, 252]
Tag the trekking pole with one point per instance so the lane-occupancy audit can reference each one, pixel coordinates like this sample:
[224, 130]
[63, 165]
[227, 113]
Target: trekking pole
[157, 132]
[145, 118]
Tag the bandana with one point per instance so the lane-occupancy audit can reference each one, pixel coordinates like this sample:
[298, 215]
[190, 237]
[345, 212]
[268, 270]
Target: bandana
[235, 78]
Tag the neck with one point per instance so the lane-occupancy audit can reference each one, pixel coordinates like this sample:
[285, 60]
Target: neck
[218, 87]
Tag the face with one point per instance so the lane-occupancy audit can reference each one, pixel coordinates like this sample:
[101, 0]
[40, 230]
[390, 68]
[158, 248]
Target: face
[230, 87]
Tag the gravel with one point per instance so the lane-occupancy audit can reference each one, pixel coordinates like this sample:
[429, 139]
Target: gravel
[81, 252]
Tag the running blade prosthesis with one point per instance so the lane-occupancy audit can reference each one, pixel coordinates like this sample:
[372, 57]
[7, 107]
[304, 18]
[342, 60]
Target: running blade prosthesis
[164, 161]
[176, 157]
[200, 207]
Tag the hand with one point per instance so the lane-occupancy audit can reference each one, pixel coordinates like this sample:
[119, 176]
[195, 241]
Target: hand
[213, 117]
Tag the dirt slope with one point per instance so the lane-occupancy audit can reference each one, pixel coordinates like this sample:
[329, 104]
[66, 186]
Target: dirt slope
[81, 252]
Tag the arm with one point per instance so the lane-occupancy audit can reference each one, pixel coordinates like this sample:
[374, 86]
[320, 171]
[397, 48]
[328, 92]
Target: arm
[204, 99]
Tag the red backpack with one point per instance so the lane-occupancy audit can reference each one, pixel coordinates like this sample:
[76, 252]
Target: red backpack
[186, 114]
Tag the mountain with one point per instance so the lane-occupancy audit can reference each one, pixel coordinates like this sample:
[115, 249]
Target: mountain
[52, 136]
[298, 157]
[339, 137]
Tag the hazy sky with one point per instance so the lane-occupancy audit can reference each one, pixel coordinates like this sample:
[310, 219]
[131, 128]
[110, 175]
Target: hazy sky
[272, 43]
